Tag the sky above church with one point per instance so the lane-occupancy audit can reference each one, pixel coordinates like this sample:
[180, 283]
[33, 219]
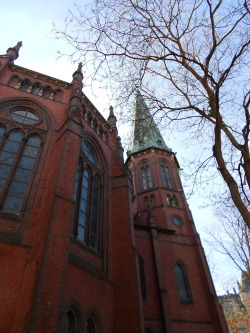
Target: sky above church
[31, 22]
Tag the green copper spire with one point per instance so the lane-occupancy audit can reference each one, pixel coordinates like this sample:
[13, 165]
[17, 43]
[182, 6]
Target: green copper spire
[145, 133]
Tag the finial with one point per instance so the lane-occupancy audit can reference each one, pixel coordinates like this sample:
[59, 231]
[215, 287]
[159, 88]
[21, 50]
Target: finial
[18, 46]
[79, 69]
[13, 52]
[78, 73]
[111, 111]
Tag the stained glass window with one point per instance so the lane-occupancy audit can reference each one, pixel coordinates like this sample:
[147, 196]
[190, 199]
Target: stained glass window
[23, 116]
[89, 151]
[17, 162]
[87, 197]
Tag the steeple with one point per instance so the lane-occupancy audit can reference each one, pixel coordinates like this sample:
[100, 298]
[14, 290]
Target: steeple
[13, 52]
[145, 133]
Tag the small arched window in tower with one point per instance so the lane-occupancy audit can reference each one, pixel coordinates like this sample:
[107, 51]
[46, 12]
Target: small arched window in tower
[18, 158]
[175, 202]
[36, 89]
[152, 200]
[146, 176]
[25, 85]
[46, 92]
[182, 284]
[165, 176]
[87, 198]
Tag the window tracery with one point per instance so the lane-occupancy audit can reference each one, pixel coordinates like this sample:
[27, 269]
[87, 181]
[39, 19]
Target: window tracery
[87, 197]
[18, 159]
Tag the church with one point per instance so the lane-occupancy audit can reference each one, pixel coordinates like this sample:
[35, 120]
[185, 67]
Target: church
[90, 243]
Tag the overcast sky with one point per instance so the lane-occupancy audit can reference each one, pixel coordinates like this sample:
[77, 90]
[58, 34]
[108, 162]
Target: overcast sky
[31, 22]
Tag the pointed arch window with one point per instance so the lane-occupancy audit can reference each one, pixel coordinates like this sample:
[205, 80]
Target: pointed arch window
[165, 175]
[92, 324]
[87, 197]
[68, 324]
[18, 159]
[146, 176]
[182, 284]
[71, 320]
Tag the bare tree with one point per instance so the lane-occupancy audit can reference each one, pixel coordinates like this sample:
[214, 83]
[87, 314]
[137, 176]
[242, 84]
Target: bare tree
[231, 237]
[190, 60]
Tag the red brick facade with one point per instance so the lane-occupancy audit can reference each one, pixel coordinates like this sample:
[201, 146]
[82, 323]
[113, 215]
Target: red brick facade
[110, 272]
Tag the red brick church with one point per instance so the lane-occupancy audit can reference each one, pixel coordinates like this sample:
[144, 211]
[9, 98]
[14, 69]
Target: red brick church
[90, 243]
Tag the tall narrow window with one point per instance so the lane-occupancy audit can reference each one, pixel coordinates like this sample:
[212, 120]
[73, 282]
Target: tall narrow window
[17, 162]
[146, 176]
[88, 198]
[182, 285]
[165, 176]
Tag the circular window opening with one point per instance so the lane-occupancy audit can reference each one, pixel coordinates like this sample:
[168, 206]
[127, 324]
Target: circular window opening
[23, 116]
[89, 151]
[177, 221]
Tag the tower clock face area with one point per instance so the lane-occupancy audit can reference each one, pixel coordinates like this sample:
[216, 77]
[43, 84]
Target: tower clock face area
[177, 221]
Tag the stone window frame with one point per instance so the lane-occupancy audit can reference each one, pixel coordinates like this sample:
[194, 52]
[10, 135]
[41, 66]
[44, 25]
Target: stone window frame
[182, 287]
[88, 199]
[16, 166]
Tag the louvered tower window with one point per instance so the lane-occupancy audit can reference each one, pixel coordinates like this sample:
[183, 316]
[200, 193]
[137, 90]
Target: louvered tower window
[146, 176]
[165, 175]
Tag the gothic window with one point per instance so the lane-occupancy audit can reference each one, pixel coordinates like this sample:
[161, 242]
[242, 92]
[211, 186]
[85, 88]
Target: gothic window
[18, 158]
[165, 175]
[142, 277]
[71, 320]
[24, 116]
[88, 197]
[182, 285]
[90, 326]
[68, 323]
[175, 202]
[146, 176]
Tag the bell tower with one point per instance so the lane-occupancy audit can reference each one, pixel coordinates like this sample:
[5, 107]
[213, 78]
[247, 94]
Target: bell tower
[176, 288]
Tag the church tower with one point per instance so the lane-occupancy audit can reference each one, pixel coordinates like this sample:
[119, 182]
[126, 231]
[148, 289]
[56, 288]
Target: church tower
[88, 243]
[176, 288]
